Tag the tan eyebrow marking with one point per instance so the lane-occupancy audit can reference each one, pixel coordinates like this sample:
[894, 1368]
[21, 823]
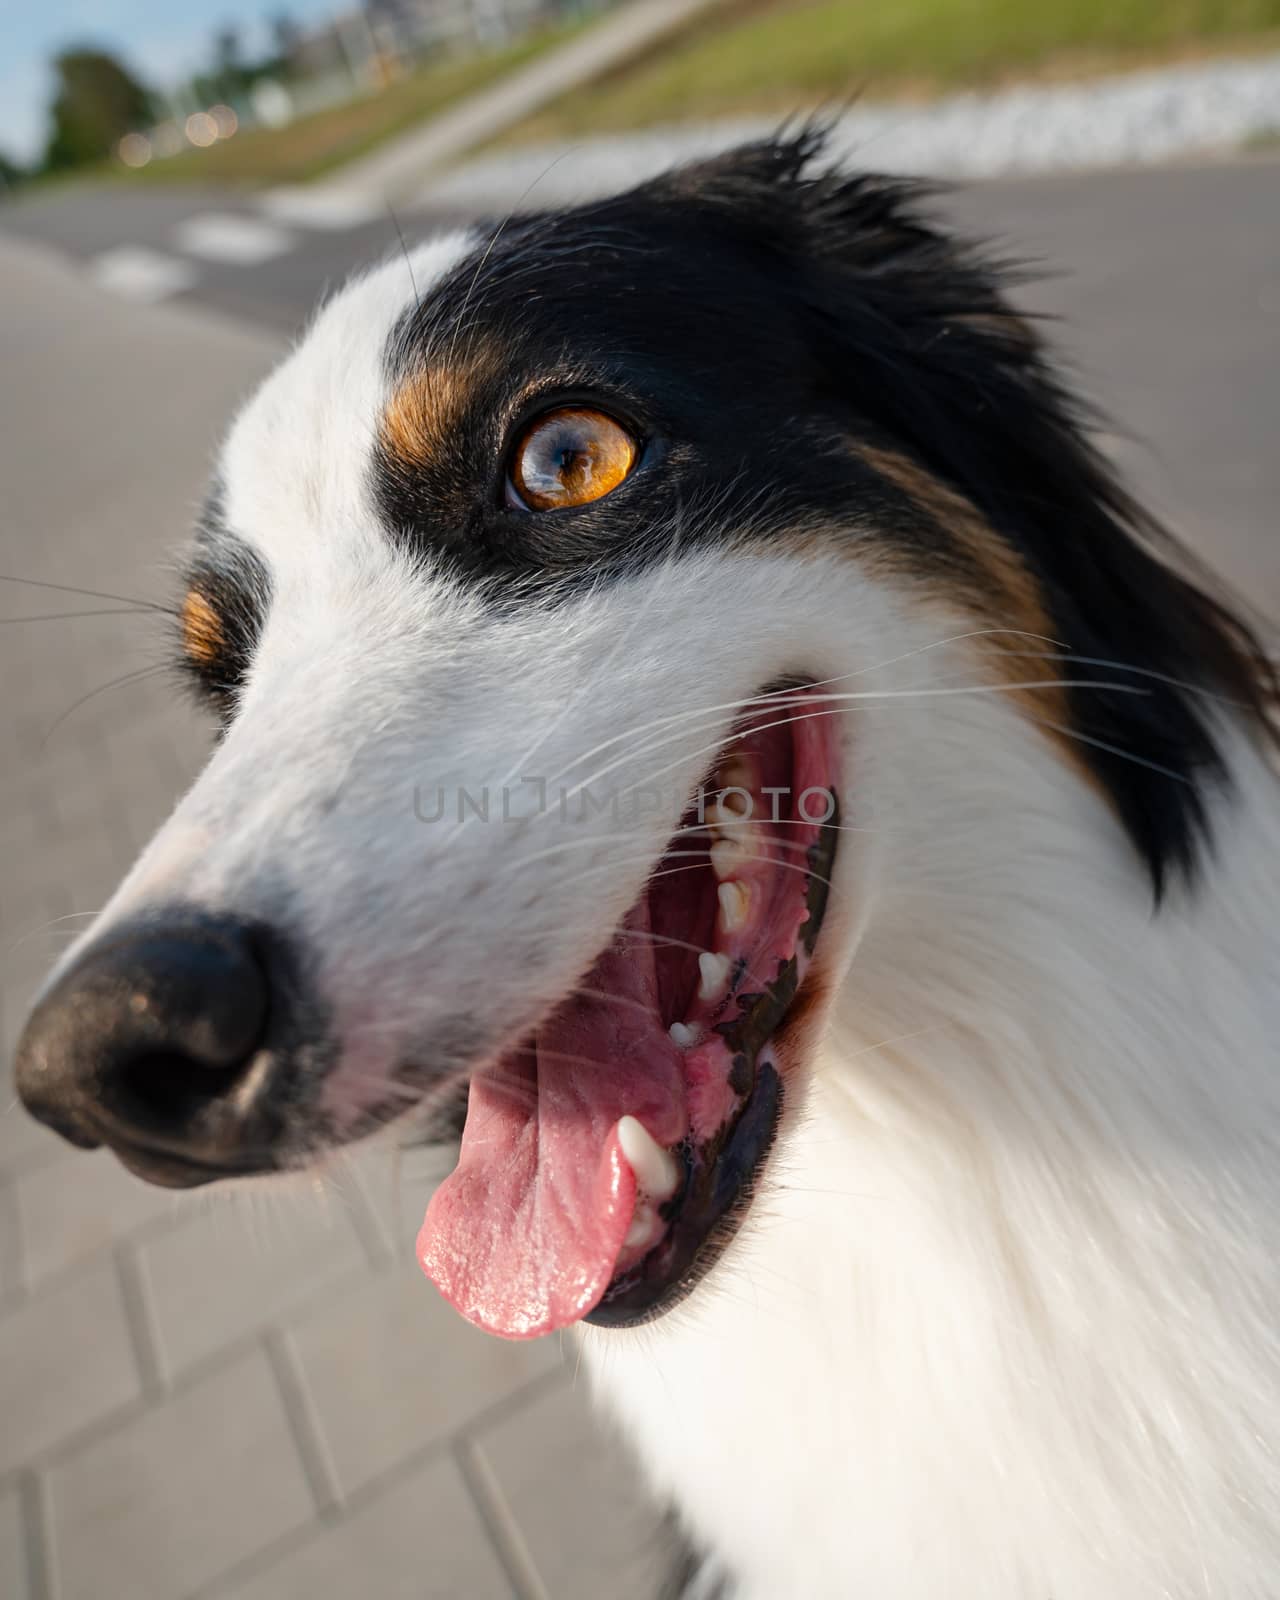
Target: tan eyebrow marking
[203, 637]
[409, 421]
[422, 413]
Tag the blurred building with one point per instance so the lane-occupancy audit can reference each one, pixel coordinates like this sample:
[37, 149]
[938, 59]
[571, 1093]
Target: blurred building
[410, 29]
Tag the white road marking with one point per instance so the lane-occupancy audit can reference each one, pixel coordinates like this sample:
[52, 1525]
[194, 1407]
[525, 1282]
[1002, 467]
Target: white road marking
[135, 273]
[237, 241]
[327, 209]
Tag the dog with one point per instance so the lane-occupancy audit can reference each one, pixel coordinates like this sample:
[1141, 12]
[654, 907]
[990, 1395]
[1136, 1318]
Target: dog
[697, 706]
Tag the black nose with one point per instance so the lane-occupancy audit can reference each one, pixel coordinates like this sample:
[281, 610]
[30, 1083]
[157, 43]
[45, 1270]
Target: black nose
[154, 1043]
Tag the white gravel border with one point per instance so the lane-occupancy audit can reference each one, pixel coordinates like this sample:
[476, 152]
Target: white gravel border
[1140, 118]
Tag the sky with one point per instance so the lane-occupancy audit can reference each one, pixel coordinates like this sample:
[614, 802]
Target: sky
[161, 40]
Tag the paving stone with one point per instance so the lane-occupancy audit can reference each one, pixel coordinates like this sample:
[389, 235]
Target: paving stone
[576, 1497]
[82, 1204]
[13, 1552]
[394, 1367]
[421, 1540]
[66, 1359]
[245, 1258]
[10, 1240]
[162, 1505]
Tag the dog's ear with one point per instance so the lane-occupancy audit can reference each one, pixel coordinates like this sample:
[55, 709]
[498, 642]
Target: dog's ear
[915, 341]
[887, 291]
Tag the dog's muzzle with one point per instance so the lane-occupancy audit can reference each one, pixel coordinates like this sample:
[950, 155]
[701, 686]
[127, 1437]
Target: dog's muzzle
[162, 1040]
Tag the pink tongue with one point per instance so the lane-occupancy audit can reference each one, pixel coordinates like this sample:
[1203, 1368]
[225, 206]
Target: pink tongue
[523, 1236]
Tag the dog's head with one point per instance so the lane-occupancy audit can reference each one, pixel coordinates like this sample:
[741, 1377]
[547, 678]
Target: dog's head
[575, 600]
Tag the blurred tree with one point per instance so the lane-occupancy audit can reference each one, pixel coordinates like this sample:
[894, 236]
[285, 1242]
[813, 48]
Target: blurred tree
[286, 35]
[97, 101]
[228, 50]
[11, 175]
[230, 74]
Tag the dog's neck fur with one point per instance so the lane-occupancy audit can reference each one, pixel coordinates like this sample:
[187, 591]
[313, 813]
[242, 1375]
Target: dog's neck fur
[1009, 1287]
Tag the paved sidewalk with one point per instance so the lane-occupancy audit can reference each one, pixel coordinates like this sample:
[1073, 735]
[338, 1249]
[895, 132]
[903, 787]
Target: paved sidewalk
[245, 1395]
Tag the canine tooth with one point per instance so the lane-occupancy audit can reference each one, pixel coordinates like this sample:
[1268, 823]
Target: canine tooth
[683, 1034]
[656, 1169]
[729, 810]
[726, 856]
[645, 1227]
[735, 905]
[713, 975]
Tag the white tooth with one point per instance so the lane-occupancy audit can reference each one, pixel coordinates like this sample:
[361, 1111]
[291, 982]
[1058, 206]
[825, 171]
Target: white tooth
[713, 975]
[735, 906]
[728, 812]
[734, 774]
[726, 856]
[645, 1227]
[683, 1034]
[656, 1169]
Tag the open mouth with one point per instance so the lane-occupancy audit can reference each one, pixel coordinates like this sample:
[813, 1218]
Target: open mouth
[607, 1158]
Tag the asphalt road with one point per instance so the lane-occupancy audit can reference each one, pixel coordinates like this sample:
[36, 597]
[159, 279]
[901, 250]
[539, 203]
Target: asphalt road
[285, 266]
[1165, 284]
[1164, 288]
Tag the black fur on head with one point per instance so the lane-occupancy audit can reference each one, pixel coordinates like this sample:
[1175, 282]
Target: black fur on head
[759, 319]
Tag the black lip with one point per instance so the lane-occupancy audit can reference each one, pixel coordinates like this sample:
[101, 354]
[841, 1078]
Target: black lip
[718, 1183]
[720, 1174]
[170, 1171]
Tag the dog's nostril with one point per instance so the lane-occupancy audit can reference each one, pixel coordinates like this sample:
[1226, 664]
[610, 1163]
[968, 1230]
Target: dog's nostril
[154, 1040]
[174, 1090]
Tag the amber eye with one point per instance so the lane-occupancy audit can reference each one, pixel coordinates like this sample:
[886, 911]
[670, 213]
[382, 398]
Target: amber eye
[569, 458]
